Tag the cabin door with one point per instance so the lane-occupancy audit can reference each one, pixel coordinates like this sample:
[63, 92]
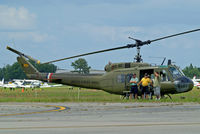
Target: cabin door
[143, 72]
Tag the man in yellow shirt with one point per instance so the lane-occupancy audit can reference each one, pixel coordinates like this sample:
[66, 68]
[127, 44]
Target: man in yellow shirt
[145, 83]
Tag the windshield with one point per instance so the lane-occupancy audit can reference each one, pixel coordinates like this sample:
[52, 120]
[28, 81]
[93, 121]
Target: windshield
[175, 72]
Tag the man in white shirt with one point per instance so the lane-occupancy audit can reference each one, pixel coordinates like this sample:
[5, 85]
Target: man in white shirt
[134, 87]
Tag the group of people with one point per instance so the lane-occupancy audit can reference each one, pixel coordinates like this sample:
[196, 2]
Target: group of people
[144, 86]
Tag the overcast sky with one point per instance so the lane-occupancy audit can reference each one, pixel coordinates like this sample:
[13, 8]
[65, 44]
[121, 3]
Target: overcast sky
[52, 29]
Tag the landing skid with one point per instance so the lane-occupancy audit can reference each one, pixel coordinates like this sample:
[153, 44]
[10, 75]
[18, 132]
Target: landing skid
[163, 96]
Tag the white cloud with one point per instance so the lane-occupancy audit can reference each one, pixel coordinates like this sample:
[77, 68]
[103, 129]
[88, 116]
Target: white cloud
[36, 37]
[112, 33]
[121, 33]
[16, 18]
[19, 24]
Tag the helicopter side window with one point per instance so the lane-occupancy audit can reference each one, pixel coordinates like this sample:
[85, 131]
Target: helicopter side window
[175, 73]
[121, 78]
[127, 65]
[152, 76]
[128, 77]
[164, 76]
[120, 66]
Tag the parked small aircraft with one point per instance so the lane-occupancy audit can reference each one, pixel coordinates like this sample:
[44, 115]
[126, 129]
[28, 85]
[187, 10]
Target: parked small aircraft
[196, 82]
[10, 85]
[20, 83]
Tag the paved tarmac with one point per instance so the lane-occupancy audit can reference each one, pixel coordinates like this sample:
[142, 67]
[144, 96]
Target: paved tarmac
[100, 118]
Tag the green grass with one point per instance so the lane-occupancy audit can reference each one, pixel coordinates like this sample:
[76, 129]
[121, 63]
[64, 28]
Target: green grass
[191, 96]
[64, 94]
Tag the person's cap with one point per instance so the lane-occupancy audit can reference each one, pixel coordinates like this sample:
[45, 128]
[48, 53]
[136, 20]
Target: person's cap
[145, 74]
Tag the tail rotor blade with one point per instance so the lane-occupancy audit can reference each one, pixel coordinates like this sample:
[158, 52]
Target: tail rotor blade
[21, 54]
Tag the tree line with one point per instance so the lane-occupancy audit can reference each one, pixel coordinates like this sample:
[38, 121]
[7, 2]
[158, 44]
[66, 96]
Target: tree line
[14, 71]
[191, 71]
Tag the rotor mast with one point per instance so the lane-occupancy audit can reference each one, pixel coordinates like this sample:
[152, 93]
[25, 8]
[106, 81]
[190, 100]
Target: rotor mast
[138, 57]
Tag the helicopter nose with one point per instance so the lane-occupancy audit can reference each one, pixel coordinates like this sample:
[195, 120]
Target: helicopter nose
[183, 84]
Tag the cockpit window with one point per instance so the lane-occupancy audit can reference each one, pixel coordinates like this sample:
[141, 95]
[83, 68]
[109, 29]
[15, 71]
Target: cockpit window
[175, 72]
[181, 72]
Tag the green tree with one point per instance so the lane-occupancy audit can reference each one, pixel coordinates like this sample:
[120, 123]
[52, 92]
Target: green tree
[81, 66]
[1, 73]
[12, 72]
[45, 68]
[191, 71]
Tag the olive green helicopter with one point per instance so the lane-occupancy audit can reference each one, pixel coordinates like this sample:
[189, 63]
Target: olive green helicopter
[116, 78]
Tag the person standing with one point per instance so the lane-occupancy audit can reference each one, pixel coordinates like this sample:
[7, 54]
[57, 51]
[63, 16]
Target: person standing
[145, 83]
[156, 85]
[134, 87]
[151, 91]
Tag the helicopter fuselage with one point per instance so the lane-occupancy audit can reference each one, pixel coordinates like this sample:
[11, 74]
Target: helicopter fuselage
[116, 81]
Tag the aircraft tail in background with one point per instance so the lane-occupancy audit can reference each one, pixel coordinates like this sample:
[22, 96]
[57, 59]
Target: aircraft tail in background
[2, 82]
[196, 82]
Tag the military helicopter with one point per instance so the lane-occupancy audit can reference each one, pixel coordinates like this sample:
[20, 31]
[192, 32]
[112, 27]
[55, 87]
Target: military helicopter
[117, 76]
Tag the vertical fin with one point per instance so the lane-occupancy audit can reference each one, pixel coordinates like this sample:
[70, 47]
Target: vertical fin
[27, 67]
[194, 78]
[2, 81]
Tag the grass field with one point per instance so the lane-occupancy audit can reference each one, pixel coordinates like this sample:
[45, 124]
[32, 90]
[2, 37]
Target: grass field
[65, 94]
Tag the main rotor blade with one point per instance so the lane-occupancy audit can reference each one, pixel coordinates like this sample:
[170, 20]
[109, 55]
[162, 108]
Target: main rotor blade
[95, 52]
[175, 35]
[137, 44]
